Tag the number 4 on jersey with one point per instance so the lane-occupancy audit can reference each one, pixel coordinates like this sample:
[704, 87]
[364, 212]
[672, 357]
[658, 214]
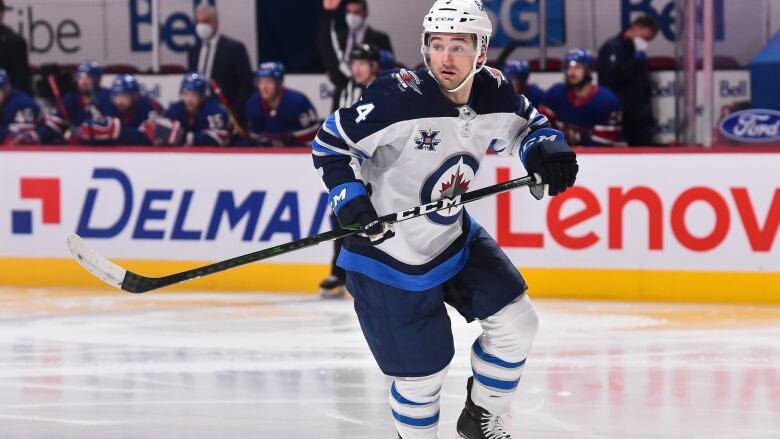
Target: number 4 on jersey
[363, 111]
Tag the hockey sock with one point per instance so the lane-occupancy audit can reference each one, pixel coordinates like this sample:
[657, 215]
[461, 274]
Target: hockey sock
[499, 354]
[415, 405]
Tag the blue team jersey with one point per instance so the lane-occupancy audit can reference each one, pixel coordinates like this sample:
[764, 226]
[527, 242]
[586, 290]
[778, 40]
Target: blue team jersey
[18, 113]
[294, 122]
[594, 120]
[209, 127]
[411, 145]
[79, 111]
[132, 132]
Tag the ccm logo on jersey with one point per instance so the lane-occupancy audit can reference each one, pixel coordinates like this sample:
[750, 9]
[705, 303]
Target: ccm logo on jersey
[431, 207]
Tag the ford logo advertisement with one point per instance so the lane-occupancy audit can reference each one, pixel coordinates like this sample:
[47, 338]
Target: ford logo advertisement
[752, 126]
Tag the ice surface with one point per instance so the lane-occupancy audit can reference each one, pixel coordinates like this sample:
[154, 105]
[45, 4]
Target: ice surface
[87, 365]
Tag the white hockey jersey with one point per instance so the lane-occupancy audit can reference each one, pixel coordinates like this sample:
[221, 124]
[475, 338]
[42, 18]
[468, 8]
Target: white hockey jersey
[406, 144]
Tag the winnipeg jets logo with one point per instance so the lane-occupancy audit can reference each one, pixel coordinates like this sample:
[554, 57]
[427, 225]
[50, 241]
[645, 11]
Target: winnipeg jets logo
[427, 140]
[456, 185]
[451, 179]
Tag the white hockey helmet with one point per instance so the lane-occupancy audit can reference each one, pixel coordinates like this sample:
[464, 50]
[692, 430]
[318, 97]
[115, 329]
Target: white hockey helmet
[458, 17]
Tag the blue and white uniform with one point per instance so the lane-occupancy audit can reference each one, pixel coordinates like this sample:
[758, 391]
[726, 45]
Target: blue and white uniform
[19, 114]
[411, 145]
[209, 127]
[293, 123]
[594, 120]
[407, 144]
[591, 120]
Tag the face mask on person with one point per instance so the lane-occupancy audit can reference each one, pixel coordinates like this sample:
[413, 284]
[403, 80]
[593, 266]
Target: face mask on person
[354, 21]
[204, 31]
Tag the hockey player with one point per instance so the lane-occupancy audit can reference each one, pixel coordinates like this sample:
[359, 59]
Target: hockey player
[197, 119]
[88, 101]
[518, 71]
[19, 115]
[589, 115]
[122, 124]
[416, 136]
[364, 65]
[278, 116]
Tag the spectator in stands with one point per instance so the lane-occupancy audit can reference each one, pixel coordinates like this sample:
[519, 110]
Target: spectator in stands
[335, 47]
[88, 101]
[19, 115]
[13, 55]
[221, 58]
[518, 72]
[278, 116]
[197, 119]
[622, 66]
[123, 123]
[589, 115]
[364, 67]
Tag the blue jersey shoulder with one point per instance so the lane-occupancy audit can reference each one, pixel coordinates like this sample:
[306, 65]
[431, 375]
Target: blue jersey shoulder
[176, 111]
[296, 99]
[19, 99]
[556, 94]
[492, 93]
[212, 105]
[607, 99]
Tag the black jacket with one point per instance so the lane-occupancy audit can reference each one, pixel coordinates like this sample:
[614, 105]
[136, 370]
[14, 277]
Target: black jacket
[338, 71]
[628, 76]
[13, 58]
[231, 70]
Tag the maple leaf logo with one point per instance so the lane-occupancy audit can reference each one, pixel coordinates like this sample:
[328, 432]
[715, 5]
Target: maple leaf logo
[456, 186]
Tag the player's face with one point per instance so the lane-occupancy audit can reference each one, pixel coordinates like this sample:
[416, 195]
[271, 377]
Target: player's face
[191, 101]
[269, 88]
[645, 33]
[575, 73]
[363, 71]
[452, 58]
[122, 101]
[85, 83]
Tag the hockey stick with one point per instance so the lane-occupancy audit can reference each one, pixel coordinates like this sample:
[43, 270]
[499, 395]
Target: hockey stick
[55, 90]
[223, 99]
[123, 279]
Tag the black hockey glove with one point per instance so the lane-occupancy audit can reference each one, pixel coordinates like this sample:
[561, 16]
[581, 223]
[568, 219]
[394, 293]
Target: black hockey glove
[545, 152]
[352, 206]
